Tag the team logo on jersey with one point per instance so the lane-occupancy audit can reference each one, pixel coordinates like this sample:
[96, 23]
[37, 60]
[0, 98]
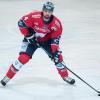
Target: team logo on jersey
[45, 27]
[41, 29]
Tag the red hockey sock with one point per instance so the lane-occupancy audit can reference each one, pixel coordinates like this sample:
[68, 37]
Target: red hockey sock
[11, 72]
[63, 72]
[23, 59]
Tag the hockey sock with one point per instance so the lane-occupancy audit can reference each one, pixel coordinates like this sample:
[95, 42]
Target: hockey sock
[11, 72]
[63, 72]
[15, 67]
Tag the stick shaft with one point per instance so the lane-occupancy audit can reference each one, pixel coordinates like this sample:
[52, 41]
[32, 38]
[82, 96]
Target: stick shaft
[82, 80]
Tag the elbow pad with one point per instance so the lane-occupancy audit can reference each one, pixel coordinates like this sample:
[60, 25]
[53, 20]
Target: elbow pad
[23, 28]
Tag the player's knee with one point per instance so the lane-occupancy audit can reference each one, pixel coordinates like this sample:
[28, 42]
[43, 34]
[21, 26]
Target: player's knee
[24, 58]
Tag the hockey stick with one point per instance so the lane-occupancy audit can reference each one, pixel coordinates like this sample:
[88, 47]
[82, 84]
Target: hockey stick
[83, 80]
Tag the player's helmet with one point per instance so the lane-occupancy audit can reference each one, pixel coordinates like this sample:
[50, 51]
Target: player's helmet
[48, 6]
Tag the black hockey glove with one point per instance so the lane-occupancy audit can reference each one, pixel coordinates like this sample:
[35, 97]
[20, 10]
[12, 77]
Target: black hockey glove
[31, 39]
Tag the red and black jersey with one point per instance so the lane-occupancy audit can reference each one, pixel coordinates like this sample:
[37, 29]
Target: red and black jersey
[34, 20]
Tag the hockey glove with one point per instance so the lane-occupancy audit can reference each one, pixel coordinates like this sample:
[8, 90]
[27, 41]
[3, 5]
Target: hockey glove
[31, 39]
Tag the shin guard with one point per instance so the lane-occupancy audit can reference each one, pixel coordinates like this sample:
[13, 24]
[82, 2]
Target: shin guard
[16, 66]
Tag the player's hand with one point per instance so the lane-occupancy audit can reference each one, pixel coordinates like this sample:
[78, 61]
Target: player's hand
[31, 39]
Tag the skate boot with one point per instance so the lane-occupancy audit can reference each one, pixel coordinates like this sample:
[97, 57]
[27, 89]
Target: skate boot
[4, 81]
[69, 80]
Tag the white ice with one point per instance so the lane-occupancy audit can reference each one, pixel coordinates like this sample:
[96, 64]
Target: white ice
[80, 43]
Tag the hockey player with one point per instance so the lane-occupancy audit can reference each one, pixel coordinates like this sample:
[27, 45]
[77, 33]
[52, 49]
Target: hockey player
[41, 29]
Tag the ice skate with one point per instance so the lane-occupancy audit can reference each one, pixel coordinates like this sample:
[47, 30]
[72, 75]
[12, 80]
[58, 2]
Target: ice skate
[69, 80]
[4, 81]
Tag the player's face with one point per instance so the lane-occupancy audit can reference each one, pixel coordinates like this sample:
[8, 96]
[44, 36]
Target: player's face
[47, 14]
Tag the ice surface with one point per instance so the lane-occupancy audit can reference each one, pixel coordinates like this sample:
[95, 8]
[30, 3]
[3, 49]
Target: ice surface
[80, 43]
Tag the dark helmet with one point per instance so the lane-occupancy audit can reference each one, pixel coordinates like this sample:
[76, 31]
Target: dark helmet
[48, 6]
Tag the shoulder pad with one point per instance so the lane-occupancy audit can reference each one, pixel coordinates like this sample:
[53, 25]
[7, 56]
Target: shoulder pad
[57, 23]
[36, 14]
